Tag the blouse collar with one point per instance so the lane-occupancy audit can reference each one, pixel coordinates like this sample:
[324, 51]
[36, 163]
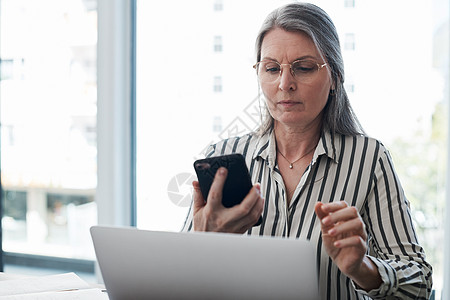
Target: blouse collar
[266, 147]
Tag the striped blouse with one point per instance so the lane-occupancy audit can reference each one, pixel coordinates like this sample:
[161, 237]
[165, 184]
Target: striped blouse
[359, 171]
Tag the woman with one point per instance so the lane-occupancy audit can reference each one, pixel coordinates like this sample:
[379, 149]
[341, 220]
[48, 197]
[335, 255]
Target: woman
[321, 177]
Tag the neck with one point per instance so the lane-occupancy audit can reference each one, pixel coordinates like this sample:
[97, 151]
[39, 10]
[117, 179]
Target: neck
[295, 142]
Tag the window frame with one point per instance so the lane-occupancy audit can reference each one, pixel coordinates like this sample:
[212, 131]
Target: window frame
[115, 194]
[116, 198]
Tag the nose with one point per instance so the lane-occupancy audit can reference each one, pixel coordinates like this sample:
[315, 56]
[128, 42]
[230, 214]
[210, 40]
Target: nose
[287, 80]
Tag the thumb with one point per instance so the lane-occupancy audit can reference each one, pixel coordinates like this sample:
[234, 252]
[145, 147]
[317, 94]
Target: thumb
[321, 214]
[215, 192]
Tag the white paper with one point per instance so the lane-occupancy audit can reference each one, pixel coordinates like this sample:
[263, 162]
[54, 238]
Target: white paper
[51, 283]
[91, 294]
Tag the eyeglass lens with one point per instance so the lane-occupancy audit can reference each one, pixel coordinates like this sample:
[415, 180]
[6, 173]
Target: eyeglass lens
[302, 70]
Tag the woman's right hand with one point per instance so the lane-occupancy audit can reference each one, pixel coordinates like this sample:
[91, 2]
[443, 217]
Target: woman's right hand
[211, 215]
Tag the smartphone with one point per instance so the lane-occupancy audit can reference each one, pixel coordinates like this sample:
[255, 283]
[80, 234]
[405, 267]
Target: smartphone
[238, 182]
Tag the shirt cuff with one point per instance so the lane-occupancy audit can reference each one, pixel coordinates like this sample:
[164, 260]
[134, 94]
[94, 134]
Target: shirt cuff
[388, 277]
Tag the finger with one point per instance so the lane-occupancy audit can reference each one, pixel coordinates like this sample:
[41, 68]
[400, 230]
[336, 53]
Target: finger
[334, 206]
[215, 192]
[352, 241]
[253, 217]
[342, 215]
[352, 227]
[247, 222]
[318, 208]
[322, 215]
[249, 210]
[251, 203]
[260, 202]
[258, 208]
[199, 201]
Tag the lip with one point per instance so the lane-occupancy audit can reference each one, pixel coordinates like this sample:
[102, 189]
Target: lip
[288, 103]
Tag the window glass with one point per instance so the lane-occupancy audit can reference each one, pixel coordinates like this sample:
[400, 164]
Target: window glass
[349, 3]
[398, 90]
[217, 84]
[48, 116]
[218, 5]
[349, 41]
[217, 43]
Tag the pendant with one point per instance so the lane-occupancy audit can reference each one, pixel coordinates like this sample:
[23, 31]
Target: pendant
[290, 166]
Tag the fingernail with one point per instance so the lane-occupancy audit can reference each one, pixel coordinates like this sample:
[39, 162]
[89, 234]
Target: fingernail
[326, 220]
[332, 231]
[222, 171]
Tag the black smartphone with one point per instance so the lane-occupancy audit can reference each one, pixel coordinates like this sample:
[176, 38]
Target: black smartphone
[238, 182]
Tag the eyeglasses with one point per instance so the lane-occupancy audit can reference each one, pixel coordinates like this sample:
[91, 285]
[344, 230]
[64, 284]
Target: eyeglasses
[304, 71]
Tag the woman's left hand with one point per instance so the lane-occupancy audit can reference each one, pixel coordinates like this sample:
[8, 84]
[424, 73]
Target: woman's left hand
[344, 238]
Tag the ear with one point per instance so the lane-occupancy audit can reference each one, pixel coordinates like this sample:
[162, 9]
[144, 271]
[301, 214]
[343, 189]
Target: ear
[332, 80]
[333, 85]
[332, 89]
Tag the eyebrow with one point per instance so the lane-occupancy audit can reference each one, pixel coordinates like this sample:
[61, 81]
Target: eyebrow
[299, 58]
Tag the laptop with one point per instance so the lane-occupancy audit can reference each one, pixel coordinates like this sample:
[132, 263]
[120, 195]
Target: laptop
[141, 264]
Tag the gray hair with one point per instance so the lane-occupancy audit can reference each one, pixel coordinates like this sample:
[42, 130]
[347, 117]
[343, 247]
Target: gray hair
[338, 115]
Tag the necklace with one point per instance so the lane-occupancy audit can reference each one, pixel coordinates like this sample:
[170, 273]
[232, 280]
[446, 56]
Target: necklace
[291, 164]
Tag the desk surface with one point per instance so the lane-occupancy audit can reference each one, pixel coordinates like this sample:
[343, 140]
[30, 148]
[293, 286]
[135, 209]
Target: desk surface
[66, 286]
[7, 276]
